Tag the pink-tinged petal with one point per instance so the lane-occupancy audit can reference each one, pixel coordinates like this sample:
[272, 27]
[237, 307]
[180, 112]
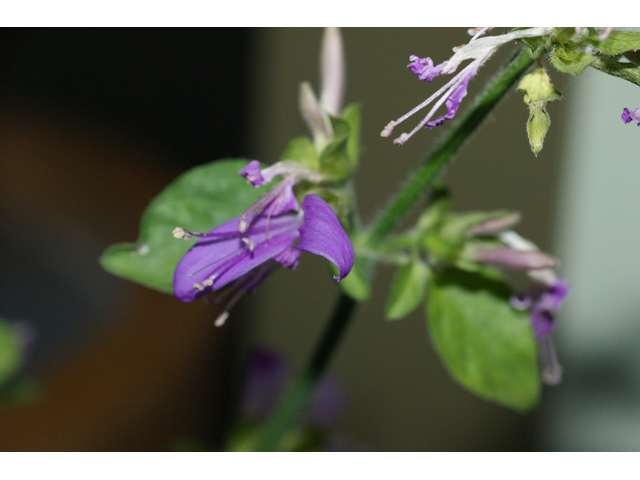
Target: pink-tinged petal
[322, 234]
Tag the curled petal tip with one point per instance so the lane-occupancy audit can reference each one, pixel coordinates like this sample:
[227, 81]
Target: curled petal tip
[322, 234]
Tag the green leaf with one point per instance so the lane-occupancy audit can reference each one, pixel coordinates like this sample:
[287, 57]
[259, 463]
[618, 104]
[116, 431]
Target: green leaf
[351, 115]
[198, 200]
[570, 61]
[626, 71]
[10, 351]
[301, 150]
[408, 289]
[484, 343]
[618, 41]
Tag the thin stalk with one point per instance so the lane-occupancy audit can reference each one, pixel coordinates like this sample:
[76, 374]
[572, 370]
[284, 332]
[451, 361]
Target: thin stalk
[420, 181]
[297, 397]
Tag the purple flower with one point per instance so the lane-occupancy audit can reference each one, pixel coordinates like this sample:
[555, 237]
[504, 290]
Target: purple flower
[266, 377]
[241, 252]
[629, 116]
[543, 301]
[451, 94]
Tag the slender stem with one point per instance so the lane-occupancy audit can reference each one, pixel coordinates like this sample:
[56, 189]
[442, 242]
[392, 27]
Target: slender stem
[297, 397]
[420, 181]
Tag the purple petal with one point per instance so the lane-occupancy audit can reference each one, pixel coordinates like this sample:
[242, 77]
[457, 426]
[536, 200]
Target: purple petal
[264, 381]
[453, 102]
[322, 234]
[423, 68]
[629, 116]
[253, 174]
[224, 256]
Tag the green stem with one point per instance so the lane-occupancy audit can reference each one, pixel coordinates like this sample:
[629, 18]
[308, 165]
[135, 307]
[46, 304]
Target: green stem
[293, 405]
[420, 181]
[297, 397]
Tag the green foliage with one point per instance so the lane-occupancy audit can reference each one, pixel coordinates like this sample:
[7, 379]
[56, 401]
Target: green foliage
[408, 289]
[538, 92]
[339, 159]
[10, 351]
[624, 70]
[570, 61]
[198, 200]
[301, 150]
[484, 343]
[618, 41]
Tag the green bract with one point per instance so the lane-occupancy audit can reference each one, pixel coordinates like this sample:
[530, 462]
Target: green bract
[339, 159]
[198, 200]
[538, 92]
[408, 289]
[485, 344]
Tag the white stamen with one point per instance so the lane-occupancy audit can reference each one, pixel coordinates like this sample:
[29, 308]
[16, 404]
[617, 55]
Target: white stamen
[208, 282]
[221, 319]
[242, 226]
[197, 286]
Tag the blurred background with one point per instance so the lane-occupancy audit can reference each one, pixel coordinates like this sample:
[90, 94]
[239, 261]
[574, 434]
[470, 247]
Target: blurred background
[94, 123]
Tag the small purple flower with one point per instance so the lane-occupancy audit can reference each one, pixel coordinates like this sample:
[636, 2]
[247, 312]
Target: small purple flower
[451, 94]
[241, 252]
[543, 302]
[266, 377]
[629, 116]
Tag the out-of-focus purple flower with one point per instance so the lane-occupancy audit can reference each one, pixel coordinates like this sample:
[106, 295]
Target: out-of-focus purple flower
[241, 252]
[266, 377]
[543, 302]
[479, 49]
[629, 116]
[543, 299]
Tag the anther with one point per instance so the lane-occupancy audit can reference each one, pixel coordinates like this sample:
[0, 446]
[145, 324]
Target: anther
[221, 319]
[250, 243]
[197, 286]
[181, 233]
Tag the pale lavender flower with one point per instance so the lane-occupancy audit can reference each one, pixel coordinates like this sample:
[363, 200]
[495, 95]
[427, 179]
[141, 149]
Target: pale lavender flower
[543, 300]
[629, 116]
[479, 49]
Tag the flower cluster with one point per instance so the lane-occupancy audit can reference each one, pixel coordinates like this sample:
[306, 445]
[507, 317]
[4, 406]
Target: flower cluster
[478, 50]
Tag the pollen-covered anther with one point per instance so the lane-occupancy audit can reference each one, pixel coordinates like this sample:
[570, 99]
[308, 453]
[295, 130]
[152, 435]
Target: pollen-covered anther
[388, 129]
[181, 233]
[401, 139]
[208, 282]
[197, 286]
[249, 243]
[242, 226]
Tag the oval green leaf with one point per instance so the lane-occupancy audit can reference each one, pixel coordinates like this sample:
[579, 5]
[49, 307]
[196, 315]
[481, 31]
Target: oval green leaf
[198, 200]
[484, 343]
